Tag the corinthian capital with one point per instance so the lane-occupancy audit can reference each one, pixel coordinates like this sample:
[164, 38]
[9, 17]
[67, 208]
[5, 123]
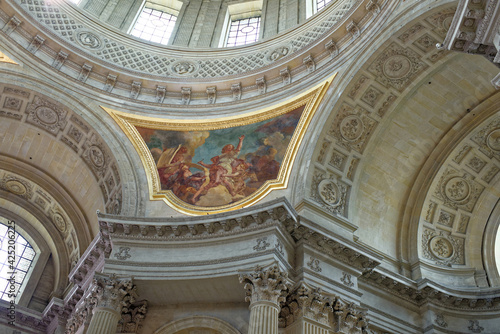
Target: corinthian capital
[112, 290]
[306, 302]
[265, 285]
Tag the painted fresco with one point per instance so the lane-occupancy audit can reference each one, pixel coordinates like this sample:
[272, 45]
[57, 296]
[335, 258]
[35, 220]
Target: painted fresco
[218, 167]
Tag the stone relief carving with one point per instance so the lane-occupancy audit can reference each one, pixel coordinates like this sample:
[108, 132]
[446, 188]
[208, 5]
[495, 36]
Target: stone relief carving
[46, 115]
[133, 313]
[17, 186]
[84, 72]
[443, 248]
[309, 63]
[352, 127]
[327, 309]
[474, 326]
[211, 94]
[426, 43]
[12, 103]
[332, 48]
[123, 253]
[397, 67]
[313, 264]
[329, 193]
[11, 25]
[161, 91]
[186, 95]
[59, 60]
[96, 156]
[439, 320]
[135, 90]
[371, 96]
[183, 68]
[476, 164]
[286, 76]
[347, 279]
[60, 222]
[269, 284]
[323, 151]
[338, 160]
[463, 223]
[458, 190]
[386, 105]
[278, 53]
[36, 43]
[261, 85]
[488, 139]
[236, 90]
[89, 40]
[492, 172]
[446, 218]
[306, 302]
[262, 244]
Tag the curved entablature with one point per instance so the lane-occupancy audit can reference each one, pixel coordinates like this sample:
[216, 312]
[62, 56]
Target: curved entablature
[199, 77]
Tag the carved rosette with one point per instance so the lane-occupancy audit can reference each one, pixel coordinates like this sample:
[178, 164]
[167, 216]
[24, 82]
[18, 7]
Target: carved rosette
[397, 67]
[17, 186]
[265, 285]
[184, 68]
[352, 127]
[89, 40]
[329, 193]
[443, 248]
[458, 191]
[95, 155]
[488, 139]
[46, 115]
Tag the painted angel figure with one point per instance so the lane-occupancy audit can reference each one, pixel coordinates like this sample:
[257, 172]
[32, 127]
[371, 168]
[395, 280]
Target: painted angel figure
[221, 169]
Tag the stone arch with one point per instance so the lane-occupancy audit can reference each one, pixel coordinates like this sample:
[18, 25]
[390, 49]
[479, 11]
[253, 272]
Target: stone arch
[197, 322]
[460, 221]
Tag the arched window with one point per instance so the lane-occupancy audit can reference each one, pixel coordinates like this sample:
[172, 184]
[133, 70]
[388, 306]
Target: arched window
[16, 260]
[242, 23]
[156, 21]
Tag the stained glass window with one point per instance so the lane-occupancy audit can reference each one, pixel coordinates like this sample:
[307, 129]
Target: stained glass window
[243, 31]
[16, 258]
[154, 25]
[320, 4]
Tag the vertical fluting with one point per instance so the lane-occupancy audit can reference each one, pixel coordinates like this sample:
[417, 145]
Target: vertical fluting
[104, 321]
[263, 318]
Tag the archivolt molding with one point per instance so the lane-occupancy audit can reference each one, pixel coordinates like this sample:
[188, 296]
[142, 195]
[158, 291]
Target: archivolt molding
[30, 107]
[452, 207]
[114, 63]
[44, 234]
[33, 193]
[376, 89]
[197, 322]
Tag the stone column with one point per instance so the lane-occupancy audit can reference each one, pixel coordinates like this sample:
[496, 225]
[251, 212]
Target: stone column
[265, 290]
[111, 292]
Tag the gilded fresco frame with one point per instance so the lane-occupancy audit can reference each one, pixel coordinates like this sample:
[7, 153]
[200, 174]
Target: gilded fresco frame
[128, 122]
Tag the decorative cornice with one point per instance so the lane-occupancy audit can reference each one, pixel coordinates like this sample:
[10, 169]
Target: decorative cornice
[428, 292]
[98, 250]
[92, 62]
